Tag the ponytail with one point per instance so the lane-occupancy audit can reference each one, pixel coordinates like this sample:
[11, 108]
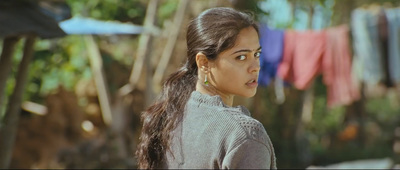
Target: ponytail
[162, 117]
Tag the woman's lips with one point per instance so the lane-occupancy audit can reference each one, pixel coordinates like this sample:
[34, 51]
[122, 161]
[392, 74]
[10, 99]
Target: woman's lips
[252, 83]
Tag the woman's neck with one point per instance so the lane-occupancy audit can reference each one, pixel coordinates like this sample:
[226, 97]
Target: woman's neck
[212, 91]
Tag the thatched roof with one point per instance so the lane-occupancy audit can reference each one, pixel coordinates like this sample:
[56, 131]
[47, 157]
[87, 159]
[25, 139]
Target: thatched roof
[19, 17]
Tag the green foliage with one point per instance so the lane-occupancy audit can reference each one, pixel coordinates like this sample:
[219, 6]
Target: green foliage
[57, 62]
[383, 109]
[250, 5]
[166, 10]
[325, 119]
[121, 10]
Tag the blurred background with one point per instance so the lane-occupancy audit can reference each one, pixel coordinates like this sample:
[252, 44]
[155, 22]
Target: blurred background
[75, 76]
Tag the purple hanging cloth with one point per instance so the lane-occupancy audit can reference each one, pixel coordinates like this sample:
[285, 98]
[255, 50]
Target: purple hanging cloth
[271, 42]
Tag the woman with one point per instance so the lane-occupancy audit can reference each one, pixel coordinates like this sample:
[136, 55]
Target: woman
[193, 123]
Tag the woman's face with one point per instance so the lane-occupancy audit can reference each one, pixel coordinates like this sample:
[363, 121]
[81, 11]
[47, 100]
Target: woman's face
[235, 71]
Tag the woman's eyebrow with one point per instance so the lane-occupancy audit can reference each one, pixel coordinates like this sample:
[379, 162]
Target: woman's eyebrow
[246, 50]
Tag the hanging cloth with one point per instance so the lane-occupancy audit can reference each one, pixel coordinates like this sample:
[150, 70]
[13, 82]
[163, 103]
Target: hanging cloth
[383, 32]
[302, 56]
[271, 42]
[367, 55]
[336, 68]
[393, 16]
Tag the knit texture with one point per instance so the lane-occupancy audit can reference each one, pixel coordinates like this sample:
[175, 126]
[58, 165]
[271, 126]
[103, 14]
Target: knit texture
[214, 135]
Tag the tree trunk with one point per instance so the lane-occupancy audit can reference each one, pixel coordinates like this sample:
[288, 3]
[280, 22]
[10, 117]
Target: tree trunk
[305, 115]
[8, 132]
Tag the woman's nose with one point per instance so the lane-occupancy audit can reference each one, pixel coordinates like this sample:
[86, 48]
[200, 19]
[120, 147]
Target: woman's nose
[255, 66]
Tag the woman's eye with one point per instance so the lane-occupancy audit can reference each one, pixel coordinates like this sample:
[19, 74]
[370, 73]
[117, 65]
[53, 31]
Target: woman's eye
[257, 54]
[242, 57]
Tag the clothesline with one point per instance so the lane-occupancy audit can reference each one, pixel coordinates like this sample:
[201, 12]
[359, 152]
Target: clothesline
[297, 57]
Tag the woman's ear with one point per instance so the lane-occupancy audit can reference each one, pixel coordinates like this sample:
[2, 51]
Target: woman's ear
[201, 61]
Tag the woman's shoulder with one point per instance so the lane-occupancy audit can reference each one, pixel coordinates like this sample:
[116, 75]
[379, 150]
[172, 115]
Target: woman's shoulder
[236, 120]
[252, 128]
[251, 132]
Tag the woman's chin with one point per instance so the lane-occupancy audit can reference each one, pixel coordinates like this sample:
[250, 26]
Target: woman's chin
[248, 95]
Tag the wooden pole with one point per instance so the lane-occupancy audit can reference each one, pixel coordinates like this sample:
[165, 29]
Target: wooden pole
[169, 47]
[143, 50]
[96, 64]
[5, 66]
[11, 118]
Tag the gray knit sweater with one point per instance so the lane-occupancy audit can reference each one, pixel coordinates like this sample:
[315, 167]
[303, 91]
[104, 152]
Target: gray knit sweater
[213, 135]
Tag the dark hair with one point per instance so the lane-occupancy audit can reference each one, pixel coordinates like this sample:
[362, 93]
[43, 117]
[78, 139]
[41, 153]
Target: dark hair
[212, 32]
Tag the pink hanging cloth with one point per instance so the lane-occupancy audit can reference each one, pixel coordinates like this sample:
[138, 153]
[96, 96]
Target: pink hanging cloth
[336, 68]
[302, 57]
[309, 53]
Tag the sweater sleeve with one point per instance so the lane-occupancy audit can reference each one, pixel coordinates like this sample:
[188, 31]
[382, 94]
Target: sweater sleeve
[250, 154]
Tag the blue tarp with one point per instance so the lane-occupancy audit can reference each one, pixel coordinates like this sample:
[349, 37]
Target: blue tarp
[80, 25]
